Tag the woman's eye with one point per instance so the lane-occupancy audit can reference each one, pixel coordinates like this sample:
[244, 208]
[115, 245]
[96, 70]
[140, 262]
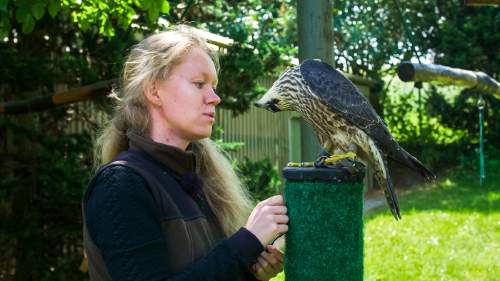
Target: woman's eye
[199, 85]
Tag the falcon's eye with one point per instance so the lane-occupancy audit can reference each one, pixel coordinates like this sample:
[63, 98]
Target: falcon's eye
[272, 104]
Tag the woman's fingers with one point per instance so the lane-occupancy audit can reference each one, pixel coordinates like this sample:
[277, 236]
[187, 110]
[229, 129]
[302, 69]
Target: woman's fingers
[263, 265]
[278, 210]
[281, 218]
[276, 253]
[269, 263]
[281, 228]
[268, 219]
[276, 200]
[270, 258]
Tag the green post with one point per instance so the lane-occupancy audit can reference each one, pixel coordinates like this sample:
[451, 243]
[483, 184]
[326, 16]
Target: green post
[325, 236]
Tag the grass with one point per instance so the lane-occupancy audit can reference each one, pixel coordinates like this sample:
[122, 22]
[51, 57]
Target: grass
[450, 231]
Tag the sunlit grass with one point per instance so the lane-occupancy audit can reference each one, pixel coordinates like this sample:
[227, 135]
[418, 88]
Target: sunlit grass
[450, 231]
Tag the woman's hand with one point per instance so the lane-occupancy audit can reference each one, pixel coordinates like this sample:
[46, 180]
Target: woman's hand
[269, 264]
[268, 219]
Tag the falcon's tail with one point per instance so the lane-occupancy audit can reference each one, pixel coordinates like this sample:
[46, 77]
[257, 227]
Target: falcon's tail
[383, 179]
[419, 167]
[389, 192]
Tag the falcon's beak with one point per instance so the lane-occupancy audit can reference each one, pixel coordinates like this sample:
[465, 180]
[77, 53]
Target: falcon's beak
[270, 105]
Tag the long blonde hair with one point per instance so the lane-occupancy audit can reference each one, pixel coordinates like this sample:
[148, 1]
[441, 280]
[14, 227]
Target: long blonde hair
[152, 59]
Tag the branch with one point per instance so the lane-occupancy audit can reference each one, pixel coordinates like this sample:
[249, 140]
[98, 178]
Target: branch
[101, 88]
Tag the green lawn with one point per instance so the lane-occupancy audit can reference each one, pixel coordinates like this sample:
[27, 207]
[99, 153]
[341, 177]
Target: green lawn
[450, 231]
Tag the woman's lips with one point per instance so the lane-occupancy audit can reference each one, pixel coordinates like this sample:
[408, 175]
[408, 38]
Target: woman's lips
[211, 115]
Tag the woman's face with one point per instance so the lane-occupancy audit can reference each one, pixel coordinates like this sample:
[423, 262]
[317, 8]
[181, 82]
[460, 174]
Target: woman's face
[188, 97]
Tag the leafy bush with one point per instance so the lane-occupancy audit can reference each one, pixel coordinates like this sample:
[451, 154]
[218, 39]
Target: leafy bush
[40, 192]
[468, 166]
[443, 128]
[260, 177]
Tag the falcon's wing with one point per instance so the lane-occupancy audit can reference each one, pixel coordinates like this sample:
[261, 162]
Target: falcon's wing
[338, 92]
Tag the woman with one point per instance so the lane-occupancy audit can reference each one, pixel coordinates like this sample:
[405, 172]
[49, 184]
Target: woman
[166, 205]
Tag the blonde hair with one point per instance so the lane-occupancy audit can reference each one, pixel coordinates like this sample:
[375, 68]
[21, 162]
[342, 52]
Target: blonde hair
[152, 59]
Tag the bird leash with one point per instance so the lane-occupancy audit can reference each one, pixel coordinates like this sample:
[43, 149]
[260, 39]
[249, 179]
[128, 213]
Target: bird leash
[480, 107]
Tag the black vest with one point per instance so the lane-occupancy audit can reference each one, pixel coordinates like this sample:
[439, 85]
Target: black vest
[189, 227]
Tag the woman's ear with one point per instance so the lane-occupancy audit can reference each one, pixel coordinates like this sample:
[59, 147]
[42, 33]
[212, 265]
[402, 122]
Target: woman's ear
[151, 94]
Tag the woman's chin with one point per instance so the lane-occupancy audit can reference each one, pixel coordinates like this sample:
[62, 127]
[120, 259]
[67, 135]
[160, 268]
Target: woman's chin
[201, 135]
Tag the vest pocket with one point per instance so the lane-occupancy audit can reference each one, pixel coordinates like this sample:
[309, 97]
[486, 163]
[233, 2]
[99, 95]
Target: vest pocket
[180, 252]
[187, 241]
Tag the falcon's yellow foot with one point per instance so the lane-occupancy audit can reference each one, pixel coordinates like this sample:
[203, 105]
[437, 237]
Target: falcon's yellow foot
[335, 158]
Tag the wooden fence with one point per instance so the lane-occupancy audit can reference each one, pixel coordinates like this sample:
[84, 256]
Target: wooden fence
[264, 134]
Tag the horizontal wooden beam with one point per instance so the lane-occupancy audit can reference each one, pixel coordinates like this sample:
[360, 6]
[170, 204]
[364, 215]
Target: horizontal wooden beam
[444, 75]
[35, 104]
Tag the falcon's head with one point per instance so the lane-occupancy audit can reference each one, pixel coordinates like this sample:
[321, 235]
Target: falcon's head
[286, 93]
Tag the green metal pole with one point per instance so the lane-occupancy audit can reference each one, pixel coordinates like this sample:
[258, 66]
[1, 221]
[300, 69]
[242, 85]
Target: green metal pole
[324, 241]
[482, 173]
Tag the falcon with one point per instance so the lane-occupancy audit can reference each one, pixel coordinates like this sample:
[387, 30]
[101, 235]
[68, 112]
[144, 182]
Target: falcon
[343, 119]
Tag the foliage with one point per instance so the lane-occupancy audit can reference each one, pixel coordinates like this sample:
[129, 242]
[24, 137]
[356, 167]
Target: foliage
[260, 30]
[367, 35]
[443, 126]
[260, 177]
[217, 133]
[40, 204]
[88, 40]
[469, 168]
[462, 113]
[465, 37]
[422, 134]
[105, 16]
[371, 35]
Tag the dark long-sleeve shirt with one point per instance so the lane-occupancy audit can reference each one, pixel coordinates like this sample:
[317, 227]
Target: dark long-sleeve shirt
[122, 221]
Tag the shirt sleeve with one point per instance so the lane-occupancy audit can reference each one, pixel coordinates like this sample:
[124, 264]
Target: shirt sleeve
[122, 221]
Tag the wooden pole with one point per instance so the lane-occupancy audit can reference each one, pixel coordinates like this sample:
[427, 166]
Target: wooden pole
[315, 28]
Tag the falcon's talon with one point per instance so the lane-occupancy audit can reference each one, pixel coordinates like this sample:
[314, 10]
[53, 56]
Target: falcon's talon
[320, 162]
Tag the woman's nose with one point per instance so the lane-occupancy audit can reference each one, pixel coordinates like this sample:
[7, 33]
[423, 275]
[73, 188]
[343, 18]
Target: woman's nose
[212, 97]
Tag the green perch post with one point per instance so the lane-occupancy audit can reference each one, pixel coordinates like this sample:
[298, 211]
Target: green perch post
[325, 235]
